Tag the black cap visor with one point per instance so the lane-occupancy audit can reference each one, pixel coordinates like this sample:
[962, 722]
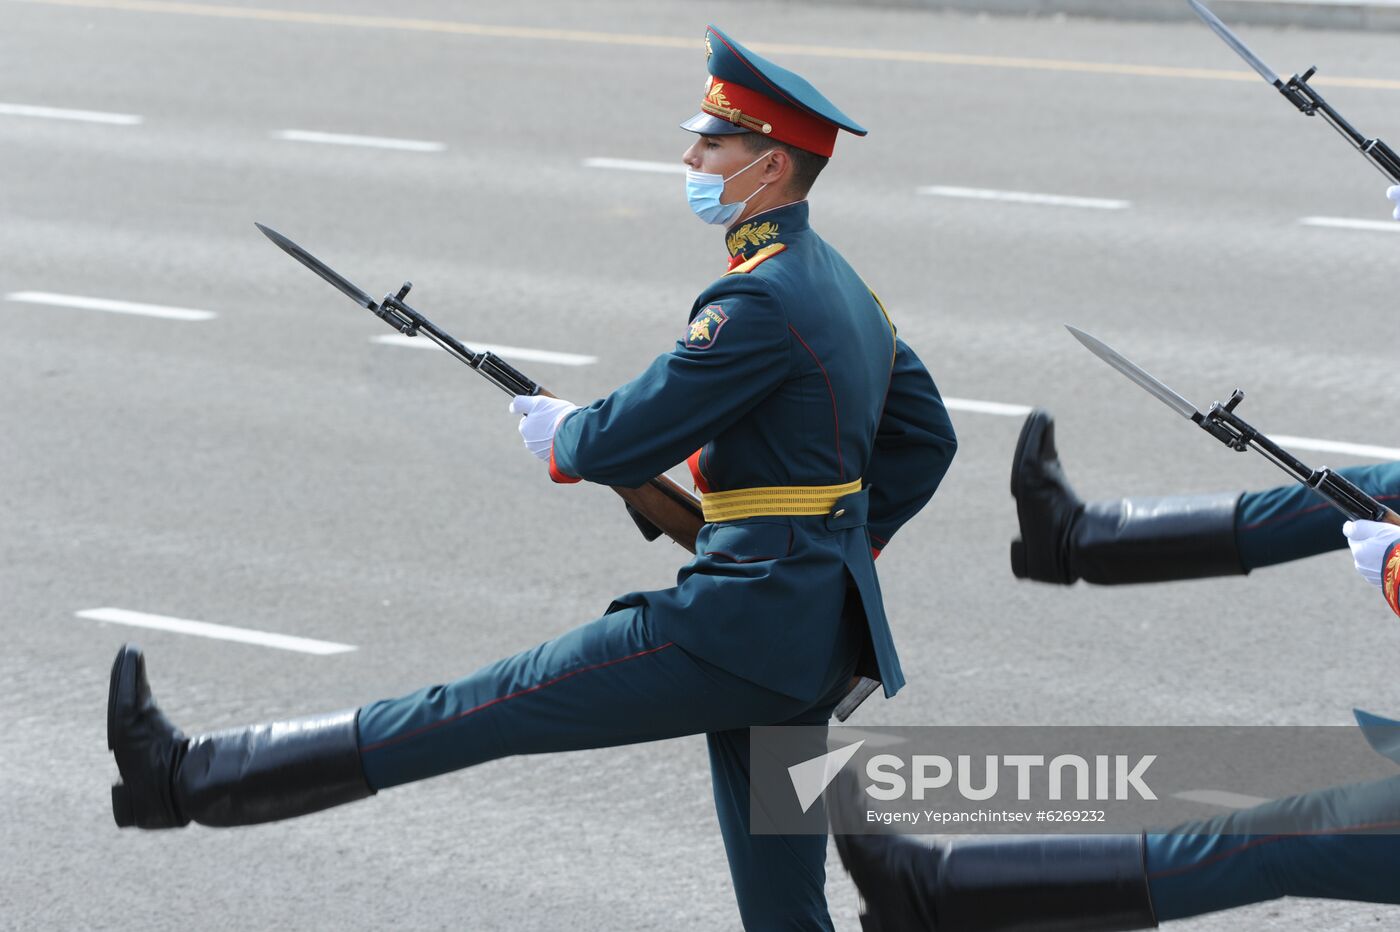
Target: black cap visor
[707, 125]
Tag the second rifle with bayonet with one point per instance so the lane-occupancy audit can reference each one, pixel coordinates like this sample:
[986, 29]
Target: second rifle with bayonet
[1222, 423]
[1298, 91]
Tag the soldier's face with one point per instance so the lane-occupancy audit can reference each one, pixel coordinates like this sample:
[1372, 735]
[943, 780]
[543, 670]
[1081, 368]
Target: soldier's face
[723, 156]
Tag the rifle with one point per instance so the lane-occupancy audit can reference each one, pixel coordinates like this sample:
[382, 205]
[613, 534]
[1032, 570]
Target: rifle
[1222, 423]
[1300, 94]
[659, 506]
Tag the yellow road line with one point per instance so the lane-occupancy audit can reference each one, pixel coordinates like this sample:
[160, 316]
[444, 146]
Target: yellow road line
[538, 34]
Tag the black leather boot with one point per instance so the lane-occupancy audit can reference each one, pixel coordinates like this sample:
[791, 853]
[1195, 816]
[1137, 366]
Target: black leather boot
[1046, 505]
[1128, 540]
[1043, 883]
[240, 776]
[896, 878]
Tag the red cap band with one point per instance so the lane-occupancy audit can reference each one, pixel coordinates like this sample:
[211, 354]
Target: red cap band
[754, 111]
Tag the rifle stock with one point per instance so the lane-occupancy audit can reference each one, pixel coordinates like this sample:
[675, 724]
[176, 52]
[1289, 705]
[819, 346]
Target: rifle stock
[669, 508]
[665, 505]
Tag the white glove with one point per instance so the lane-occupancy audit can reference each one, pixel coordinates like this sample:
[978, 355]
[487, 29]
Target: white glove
[1393, 192]
[1369, 542]
[542, 416]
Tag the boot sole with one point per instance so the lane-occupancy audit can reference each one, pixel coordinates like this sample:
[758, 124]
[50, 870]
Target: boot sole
[868, 921]
[122, 810]
[875, 917]
[125, 661]
[1033, 426]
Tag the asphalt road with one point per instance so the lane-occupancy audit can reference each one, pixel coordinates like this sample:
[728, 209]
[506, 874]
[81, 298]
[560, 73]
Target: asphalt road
[274, 468]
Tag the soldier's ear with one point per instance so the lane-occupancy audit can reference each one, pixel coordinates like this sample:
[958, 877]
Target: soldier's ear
[776, 166]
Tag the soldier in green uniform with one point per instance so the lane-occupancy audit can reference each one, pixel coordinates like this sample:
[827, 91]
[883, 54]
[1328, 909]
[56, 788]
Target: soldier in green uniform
[1348, 843]
[1346, 847]
[814, 434]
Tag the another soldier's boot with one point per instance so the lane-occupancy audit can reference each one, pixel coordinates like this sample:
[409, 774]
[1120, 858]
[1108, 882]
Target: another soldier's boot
[235, 777]
[1127, 540]
[1049, 883]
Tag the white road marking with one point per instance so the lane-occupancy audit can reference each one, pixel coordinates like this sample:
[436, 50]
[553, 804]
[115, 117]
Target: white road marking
[1222, 798]
[1365, 451]
[103, 304]
[1335, 446]
[1344, 223]
[372, 142]
[82, 116]
[509, 352]
[633, 165]
[986, 407]
[204, 629]
[873, 739]
[1026, 197]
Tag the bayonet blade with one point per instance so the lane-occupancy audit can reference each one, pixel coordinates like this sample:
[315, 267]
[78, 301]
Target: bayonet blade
[1233, 41]
[320, 268]
[1135, 372]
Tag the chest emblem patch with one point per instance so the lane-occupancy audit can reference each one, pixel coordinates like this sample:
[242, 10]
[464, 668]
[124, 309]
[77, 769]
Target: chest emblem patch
[704, 329]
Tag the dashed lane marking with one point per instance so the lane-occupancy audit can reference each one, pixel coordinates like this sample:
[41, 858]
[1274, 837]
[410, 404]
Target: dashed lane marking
[1313, 444]
[1026, 197]
[1363, 450]
[81, 116]
[203, 629]
[1346, 223]
[986, 407]
[636, 165]
[367, 142]
[507, 352]
[1221, 798]
[104, 304]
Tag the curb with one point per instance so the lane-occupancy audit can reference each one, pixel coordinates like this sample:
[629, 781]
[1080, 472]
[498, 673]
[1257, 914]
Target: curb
[1363, 15]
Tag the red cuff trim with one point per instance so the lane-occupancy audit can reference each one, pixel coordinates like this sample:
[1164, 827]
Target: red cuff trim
[693, 461]
[1390, 578]
[557, 474]
[874, 553]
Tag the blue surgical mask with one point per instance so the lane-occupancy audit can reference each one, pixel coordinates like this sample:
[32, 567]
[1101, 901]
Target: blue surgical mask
[704, 189]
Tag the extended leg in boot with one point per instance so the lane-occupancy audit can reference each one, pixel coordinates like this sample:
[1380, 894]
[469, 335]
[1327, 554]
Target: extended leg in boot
[240, 776]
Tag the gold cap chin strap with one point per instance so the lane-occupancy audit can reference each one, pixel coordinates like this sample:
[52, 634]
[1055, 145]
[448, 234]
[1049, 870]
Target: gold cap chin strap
[736, 116]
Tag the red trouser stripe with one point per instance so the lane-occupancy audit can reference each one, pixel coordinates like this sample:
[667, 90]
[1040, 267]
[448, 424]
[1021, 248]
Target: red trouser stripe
[1269, 839]
[486, 705]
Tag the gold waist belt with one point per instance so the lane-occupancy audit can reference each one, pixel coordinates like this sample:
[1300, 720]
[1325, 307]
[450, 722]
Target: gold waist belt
[774, 500]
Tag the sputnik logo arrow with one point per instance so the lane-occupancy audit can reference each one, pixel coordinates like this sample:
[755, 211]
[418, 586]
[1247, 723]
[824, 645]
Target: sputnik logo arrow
[811, 777]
